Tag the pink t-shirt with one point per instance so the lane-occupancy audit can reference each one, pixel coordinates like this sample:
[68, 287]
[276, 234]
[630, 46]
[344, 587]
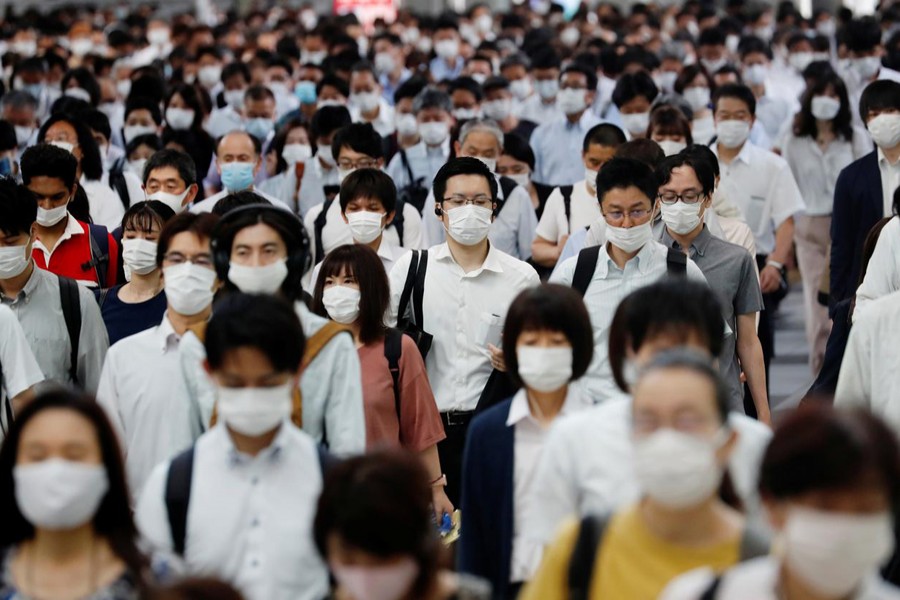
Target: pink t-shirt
[420, 424]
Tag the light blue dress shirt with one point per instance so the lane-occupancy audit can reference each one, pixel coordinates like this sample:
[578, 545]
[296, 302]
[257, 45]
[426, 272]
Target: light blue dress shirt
[557, 150]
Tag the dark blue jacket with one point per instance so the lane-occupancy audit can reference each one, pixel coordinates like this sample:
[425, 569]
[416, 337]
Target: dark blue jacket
[485, 547]
[858, 206]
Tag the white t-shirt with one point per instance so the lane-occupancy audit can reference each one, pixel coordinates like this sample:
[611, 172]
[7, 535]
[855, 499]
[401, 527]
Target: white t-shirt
[584, 207]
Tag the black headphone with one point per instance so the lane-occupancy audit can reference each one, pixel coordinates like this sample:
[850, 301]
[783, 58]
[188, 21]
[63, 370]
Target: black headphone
[299, 259]
[439, 211]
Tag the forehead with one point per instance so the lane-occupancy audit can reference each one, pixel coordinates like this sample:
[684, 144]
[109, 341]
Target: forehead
[468, 184]
[625, 198]
[575, 77]
[59, 427]
[731, 104]
[61, 128]
[257, 235]
[164, 174]
[669, 391]
[348, 152]
[188, 242]
[600, 152]
[46, 185]
[683, 176]
[237, 144]
[361, 77]
[481, 139]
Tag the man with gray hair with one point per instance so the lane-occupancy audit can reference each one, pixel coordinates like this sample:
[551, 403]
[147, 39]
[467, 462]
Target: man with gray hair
[415, 167]
[19, 108]
[513, 228]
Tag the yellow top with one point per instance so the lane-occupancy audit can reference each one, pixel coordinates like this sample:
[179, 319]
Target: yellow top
[632, 562]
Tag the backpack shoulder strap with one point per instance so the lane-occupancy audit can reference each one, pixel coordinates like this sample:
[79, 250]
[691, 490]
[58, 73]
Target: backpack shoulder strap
[566, 191]
[99, 239]
[71, 309]
[406, 294]
[676, 263]
[585, 266]
[178, 496]
[753, 544]
[327, 460]
[584, 555]
[419, 290]
[120, 186]
[507, 186]
[712, 590]
[398, 220]
[393, 350]
[319, 226]
[319, 340]
[405, 160]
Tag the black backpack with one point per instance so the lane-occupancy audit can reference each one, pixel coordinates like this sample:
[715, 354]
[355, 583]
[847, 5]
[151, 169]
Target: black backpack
[99, 240]
[414, 289]
[676, 265]
[414, 192]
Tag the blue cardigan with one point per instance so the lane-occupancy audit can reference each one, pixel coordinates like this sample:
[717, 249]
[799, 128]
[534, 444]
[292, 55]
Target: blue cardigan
[485, 546]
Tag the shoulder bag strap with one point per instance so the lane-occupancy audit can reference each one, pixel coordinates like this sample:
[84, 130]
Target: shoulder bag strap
[584, 555]
[178, 496]
[584, 268]
[408, 286]
[71, 309]
[419, 290]
[393, 350]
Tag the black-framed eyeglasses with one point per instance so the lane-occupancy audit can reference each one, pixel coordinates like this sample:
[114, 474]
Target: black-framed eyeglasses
[688, 197]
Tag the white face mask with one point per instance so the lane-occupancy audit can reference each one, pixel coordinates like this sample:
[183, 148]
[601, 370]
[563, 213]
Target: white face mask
[447, 49]
[234, 99]
[209, 75]
[590, 177]
[406, 124]
[490, 163]
[520, 88]
[129, 132]
[631, 239]
[756, 74]
[498, 109]
[23, 134]
[571, 101]
[825, 108]
[179, 119]
[547, 88]
[671, 147]
[434, 132]
[388, 582]
[732, 133]
[344, 173]
[296, 153]
[137, 166]
[464, 114]
[189, 287]
[67, 146]
[885, 130]
[866, 67]
[258, 280]
[48, 217]
[800, 60]
[123, 87]
[636, 123]
[13, 261]
[665, 80]
[523, 179]
[255, 411]
[173, 201]
[832, 552]
[139, 255]
[712, 66]
[545, 369]
[325, 156]
[697, 98]
[365, 101]
[365, 226]
[384, 63]
[57, 494]
[470, 224]
[677, 469]
[341, 303]
[680, 217]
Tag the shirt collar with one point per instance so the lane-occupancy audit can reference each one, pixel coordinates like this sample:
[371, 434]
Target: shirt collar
[883, 161]
[744, 155]
[73, 227]
[643, 259]
[167, 338]
[520, 411]
[700, 243]
[272, 453]
[491, 262]
[30, 286]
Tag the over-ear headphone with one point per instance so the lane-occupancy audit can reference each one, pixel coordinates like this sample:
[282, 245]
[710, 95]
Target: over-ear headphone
[439, 211]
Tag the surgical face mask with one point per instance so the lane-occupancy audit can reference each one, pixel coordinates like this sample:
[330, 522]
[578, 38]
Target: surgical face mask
[237, 176]
[671, 147]
[434, 132]
[470, 224]
[305, 91]
[13, 260]
[680, 217]
[179, 119]
[341, 303]
[57, 494]
[636, 123]
[866, 67]
[479, 78]
[570, 36]
[78, 93]
[833, 552]
[129, 132]
[406, 125]
[697, 98]
[571, 101]
[590, 176]
[825, 108]
[260, 128]
[712, 66]
[484, 23]
[25, 48]
[677, 469]
[732, 133]
[48, 217]
[209, 75]
[385, 63]
[258, 280]
[67, 146]
[81, 46]
[545, 369]
[447, 49]
[464, 114]
[490, 163]
[521, 88]
[885, 130]
[547, 88]
[279, 88]
[826, 28]
[800, 60]
[329, 102]
[666, 80]
[498, 109]
[23, 134]
[173, 201]
[315, 57]
[365, 101]
[158, 36]
[189, 287]
[756, 74]
[254, 411]
[365, 226]
[388, 582]
[35, 89]
[139, 255]
[631, 239]
[137, 166]
[325, 156]
[523, 179]
[123, 87]
[344, 173]
[296, 153]
[234, 99]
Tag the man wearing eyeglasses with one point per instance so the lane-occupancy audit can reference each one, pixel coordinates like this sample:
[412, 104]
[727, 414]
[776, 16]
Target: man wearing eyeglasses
[685, 194]
[629, 259]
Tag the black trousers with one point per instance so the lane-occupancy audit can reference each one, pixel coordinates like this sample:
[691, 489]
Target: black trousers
[766, 333]
[450, 451]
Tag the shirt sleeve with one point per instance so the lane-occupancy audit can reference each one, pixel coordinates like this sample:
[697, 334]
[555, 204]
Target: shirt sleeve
[749, 296]
[433, 227]
[92, 343]
[854, 385]
[537, 145]
[787, 200]
[20, 369]
[151, 516]
[694, 272]
[564, 271]
[573, 246]
[396, 171]
[420, 421]
[344, 421]
[881, 277]
[551, 579]
[549, 227]
[527, 222]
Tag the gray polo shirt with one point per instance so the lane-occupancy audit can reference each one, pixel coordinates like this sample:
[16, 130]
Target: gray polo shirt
[730, 272]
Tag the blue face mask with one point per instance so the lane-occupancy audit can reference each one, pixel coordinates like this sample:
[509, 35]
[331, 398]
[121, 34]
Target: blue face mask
[35, 89]
[237, 176]
[305, 92]
[259, 128]
[6, 167]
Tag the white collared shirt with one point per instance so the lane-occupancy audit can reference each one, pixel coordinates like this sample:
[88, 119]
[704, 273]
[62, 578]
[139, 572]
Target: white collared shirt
[250, 519]
[142, 391]
[761, 184]
[609, 285]
[206, 205]
[20, 369]
[383, 123]
[104, 204]
[890, 181]
[530, 436]
[464, 312]
[583, 207]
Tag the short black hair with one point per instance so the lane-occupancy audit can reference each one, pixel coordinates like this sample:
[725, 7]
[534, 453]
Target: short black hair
[369, 183]
[410, 88]
[737, 91]
[86, 81]
[704, 152]
[258, 93]
[96, 121]
[180, 161]
[359, 137]
[621, 173]
[604, 134]
[18, 210]
[862, 35]
[46, 160]
[364, 66]
[329, 119]
[264, 322]
[199, 224]
[879, 95]
[462, 165]
[698, 363]
[143, 103]
[754, 45]
[516, 146]
[235, 68]
[643, 150]
[590, 75]
[334, 81]
[546, 58]
[237, 200]
[702, 169]
[467, 84]
[549, 307]
[711, 36]
[140, 216]
[8, 139]
[632, 85]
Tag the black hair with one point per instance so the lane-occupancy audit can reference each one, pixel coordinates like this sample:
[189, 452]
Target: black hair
[91, 163]
[689, 74]
[143, 103]
[188, 94]
[546, 58]
[96, 121]
[258, 93]
[549, 307]
[666, 119]
[754, 45]
[140, 216]
[621, 173]
[703, 152]
[632, 85]
[516, 146]
[235, 68]
[364, 66]
[264, 322]
[467, 84]
[462, 165]
[861, 35]
[692, 360]
[46, 160]
[201, 225]
[176, 159]
[359, 137]
[151, 140]
[643, 150]
[711, 36]
[329, 119]
[590, 75]
[86, 81]
[334, 81]
[805, 124]
[237, 200]
[18, 210]
[8, 139]
[738, 91]
[410, 88]
[879, 95]
[702, 169]
[604, 134]
[369, 183]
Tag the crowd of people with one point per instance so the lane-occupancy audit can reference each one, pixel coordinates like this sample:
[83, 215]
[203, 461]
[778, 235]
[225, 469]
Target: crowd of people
[481, 305]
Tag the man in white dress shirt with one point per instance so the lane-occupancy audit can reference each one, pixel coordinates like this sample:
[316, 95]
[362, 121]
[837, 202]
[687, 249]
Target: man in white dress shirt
[251, 483]
[366, 99]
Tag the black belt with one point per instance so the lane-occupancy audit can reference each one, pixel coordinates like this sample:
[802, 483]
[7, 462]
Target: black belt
[457, 418]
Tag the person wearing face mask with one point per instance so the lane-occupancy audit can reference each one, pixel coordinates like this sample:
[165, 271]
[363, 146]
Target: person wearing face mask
[406, 127]
[357, 146]
[540, 107]
[259, 113]
[479, 68]
[366, 100]
[184, 113]
[209, 69]
[30, 75]
[399, 405]
[633, 96]
[390, 64]
[711, 49]
[514, 69]
[253, 479]
[669, 128]
[69, 529]
[141, 387]
[468, 277]
[687, 516]
[685, 195]
[863, 65]
[546, 348]
[235, 81]
[466, 95]
[448, 63]
[142, 117]
[280, 81]
[123, 181]
[498, 105]
[575, 207]
[292, 152]
[557, 144]
[761, 184]
[829, 482]
[517, 163]
[772, 110]
[695, 86]
[627, 192]
[19, 109]
[513, 227]
[140, 303]
[375, 529]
